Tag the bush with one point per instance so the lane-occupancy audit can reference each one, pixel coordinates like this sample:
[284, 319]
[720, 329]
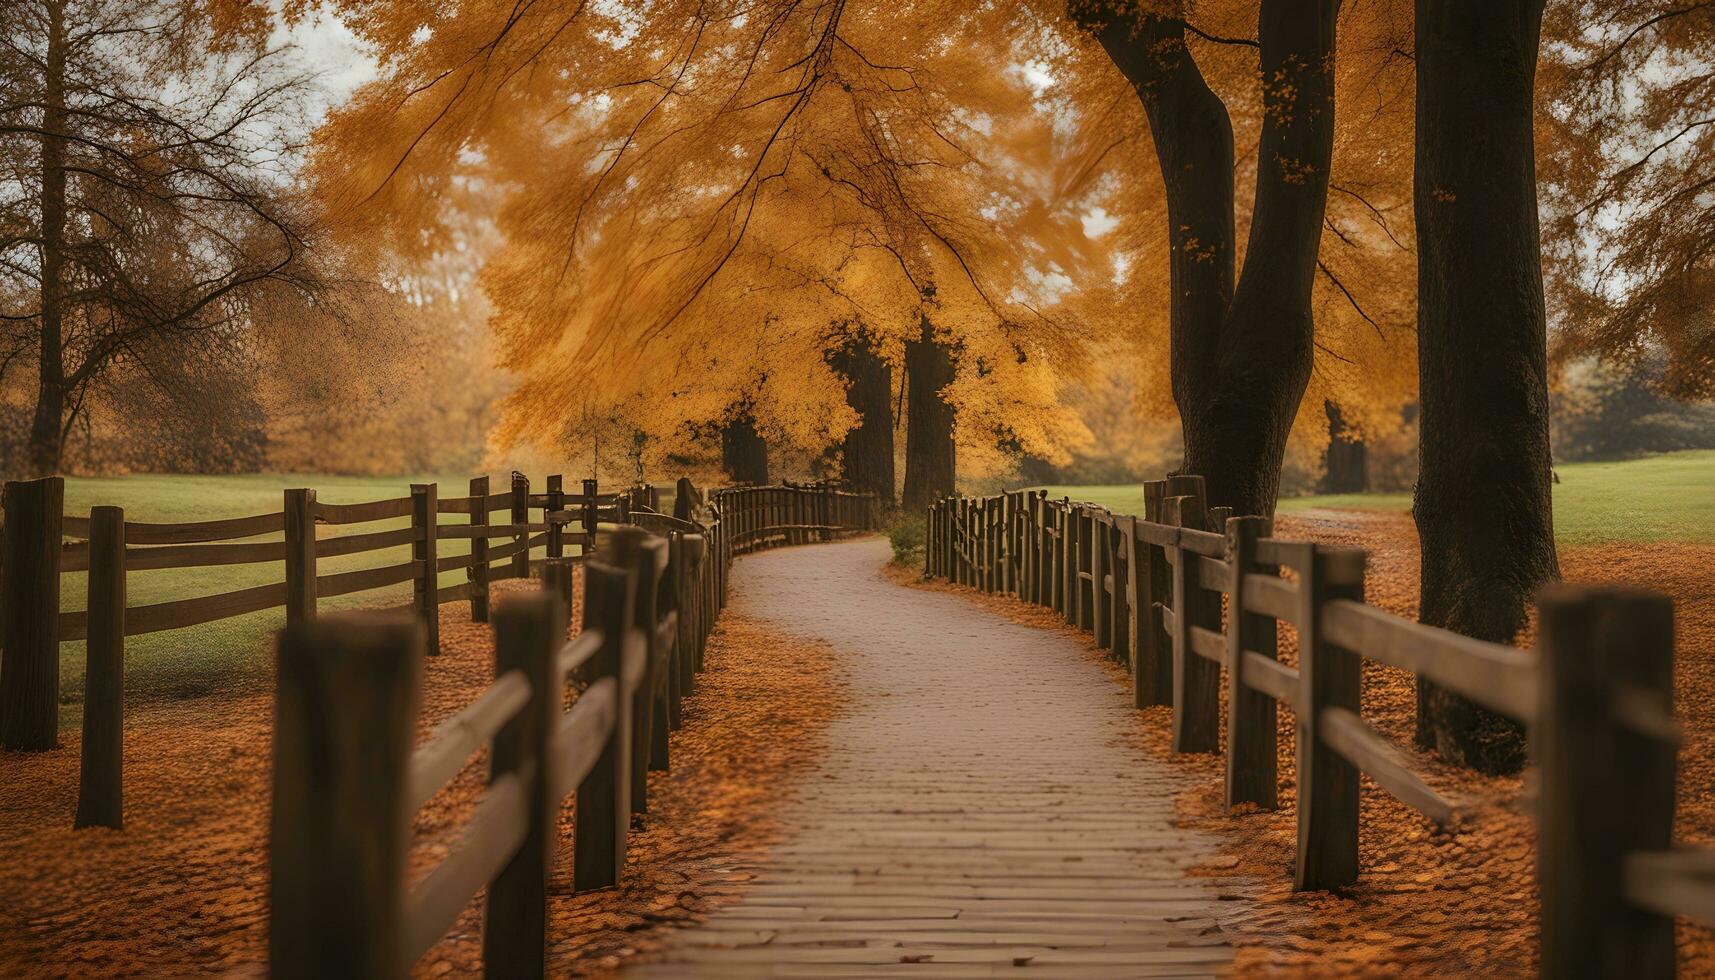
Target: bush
[909, 533]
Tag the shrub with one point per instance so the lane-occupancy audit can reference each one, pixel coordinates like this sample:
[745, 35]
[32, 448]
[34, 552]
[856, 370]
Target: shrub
[908, 533]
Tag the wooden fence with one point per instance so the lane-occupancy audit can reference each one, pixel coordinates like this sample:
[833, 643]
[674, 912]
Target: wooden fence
[1596, 694]
[40, 543]
[347, 781]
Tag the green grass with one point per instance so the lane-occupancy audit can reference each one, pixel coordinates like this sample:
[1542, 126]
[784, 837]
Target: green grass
[1668, 498]
[197, 660]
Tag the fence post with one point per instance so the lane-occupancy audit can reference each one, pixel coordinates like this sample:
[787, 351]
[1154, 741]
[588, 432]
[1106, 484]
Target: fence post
[1251, 714]
[1606, 790]
[101, 785]
[1153, 683]
[1101, 613]
[1328, 677]
[603, 813]
[558, 579]
[556, 503]
[528, 630]
[347, 690]
[1196, 681]
[521, 520]
[300, 556]
[427, 585]
[30, 605]
[591, 517]
[477, 572]
[630, 551]
[693, 551]
[670, 591]
[1121, 551]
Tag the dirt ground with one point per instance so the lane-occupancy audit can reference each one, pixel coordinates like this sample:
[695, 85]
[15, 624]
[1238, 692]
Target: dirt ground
[182, 889]
[1459, 902]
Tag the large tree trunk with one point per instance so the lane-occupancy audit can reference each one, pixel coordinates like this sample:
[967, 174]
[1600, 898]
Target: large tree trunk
[1241, 351]
[744, 455]
[47, 428]
[1483, 509]
[930, 463]
[1347, 458]
[868, 446]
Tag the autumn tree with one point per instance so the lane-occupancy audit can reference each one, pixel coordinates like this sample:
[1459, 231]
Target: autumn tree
[1242, 346]
[146, 199]
[1483, 505]
[866, 451]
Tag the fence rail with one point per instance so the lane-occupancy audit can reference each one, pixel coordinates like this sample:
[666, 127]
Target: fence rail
[1596, 694]
[347, 781]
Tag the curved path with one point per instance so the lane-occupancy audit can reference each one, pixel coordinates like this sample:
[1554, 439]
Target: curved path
[981, 809]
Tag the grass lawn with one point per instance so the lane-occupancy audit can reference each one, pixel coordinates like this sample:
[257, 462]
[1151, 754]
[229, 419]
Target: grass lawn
[196, 660]
[1670, 497]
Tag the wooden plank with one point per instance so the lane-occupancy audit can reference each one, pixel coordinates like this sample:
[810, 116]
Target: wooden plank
[603, 801]
[495, 832]
[1212, 574]
[1329, 677]
[300, 594]
[1678, 883]
[1209, 645]
[456, 739]
[1346, 733]
[200, 555]
[476, 574]
[1503, 678]
[30, 611]
[1271, 596]
[344, 583]
[202, 609]
[198, 531]
[1271, 677]
[583, 734]
[356, 544]
[374, 510]
[1196, 682]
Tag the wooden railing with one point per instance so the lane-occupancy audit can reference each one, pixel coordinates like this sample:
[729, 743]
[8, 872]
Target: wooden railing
[347, 781]
[41, 543]
[1596, 694]
[766, 517]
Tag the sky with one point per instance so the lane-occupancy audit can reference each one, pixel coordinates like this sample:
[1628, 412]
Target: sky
[324, 45]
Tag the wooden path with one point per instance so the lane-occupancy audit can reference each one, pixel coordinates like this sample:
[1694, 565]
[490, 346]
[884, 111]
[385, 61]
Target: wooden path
[980, 810]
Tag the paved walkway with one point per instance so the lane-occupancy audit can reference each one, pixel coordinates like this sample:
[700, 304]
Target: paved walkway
[979, 812]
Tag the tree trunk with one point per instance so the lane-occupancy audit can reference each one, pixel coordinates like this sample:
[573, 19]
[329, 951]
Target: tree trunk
[744, 455]
[1241, 350]
[930, 462]
[47, 428]
[1483, 508]
[868, 447]
[1347, 459]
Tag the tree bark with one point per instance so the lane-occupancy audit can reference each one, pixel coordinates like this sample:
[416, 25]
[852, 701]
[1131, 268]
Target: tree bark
[1347, 458]
[744, 454]
[867, 450]
[1483, 507]
[930, 460]
[1241, 350]
[47, 428]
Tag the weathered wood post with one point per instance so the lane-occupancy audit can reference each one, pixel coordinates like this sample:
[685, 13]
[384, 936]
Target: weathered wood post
[521, 524]
[1069, 584]
[670, 593]
[1251, 734]
[693, 551]
[603, 814]
[300, 556]
[559, 579]
[1121, 551]
[100, 787]
[426, 585]
[1606, 788]
[30, 606]
[631, 549]
[556, 503]
[1328, 677]
[1101, 611]
[528, 630]
[592, 518]
[1153, 681]
[1196, 681]
[477, 572]
[347, 691]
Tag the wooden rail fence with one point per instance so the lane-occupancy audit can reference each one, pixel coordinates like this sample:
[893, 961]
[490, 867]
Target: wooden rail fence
[347, 781]
[1596, 694]
[39, 543]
